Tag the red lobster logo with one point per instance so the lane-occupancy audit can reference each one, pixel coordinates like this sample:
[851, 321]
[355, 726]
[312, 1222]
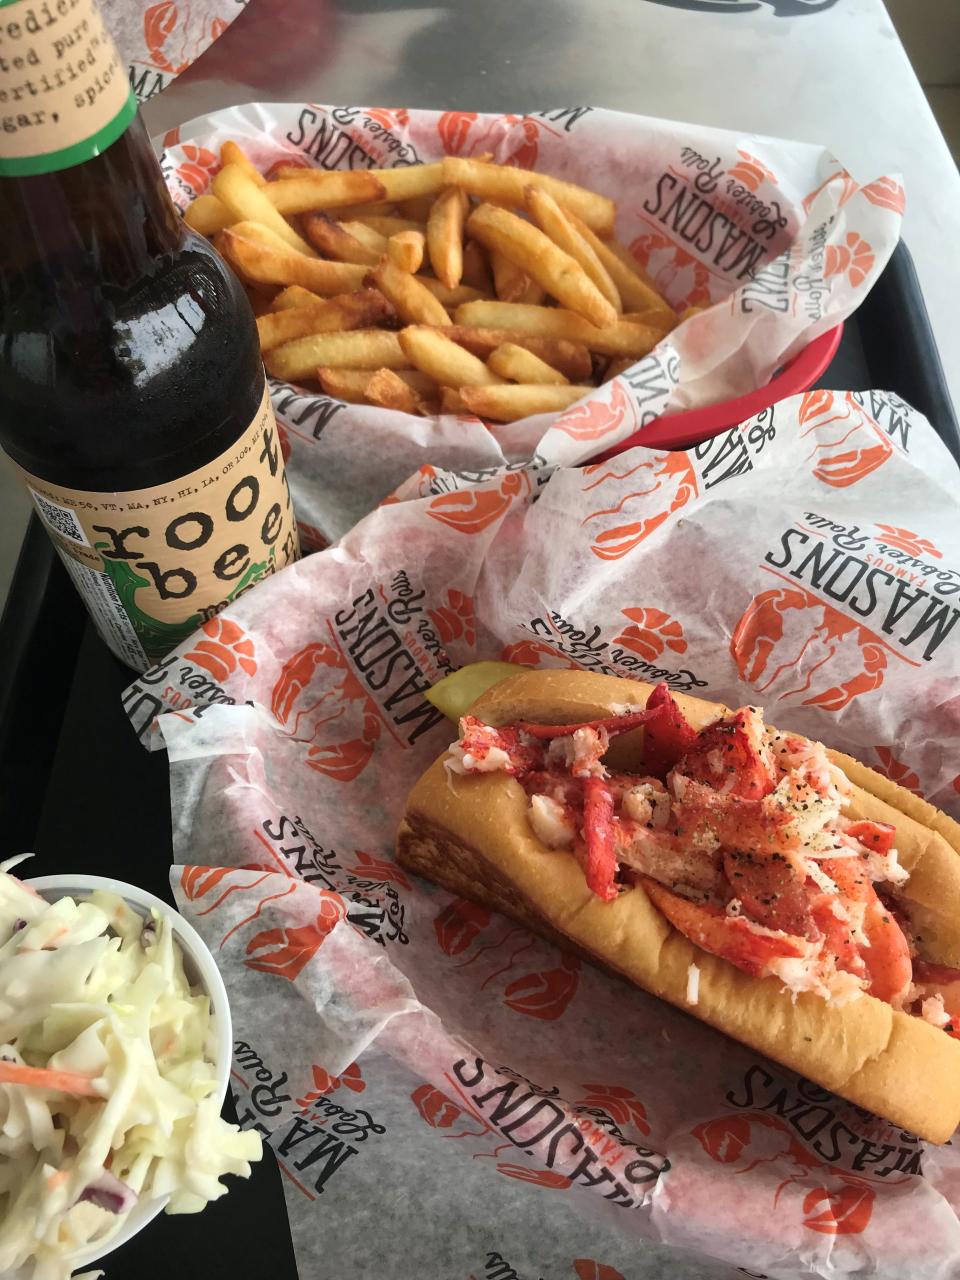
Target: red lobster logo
[789, 644]
[471, 511]
[595, 417]
[669, 474]
[534, 653]
[320, 701]
[351, 1078]
[654, 631]
[224, 648]
[908, 541]
[751, 172]
[848, 189]
[842, 1208]
[894, 769]
[848, 444]
[854, 258]
[177, 34]
[676, 274]
[463, 134]
[455, 620]
[885, 193]
[287, 950]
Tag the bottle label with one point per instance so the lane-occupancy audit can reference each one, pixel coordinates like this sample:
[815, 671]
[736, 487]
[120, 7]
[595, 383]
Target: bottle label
[154, 564]
[64, 92]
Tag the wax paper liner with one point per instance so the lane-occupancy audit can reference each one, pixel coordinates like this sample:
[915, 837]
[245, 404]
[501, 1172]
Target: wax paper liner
[160, 40]
[399, 1045]
[776, 235]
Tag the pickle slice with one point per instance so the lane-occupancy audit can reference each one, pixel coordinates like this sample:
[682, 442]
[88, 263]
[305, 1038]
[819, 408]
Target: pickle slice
[456, 693]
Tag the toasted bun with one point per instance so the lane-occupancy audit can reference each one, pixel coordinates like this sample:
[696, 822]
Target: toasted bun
[471, 835]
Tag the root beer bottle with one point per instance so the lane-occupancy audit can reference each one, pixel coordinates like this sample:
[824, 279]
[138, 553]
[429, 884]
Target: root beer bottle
[132, 395]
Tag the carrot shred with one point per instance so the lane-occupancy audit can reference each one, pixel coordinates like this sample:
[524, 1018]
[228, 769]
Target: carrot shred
[72, 1082]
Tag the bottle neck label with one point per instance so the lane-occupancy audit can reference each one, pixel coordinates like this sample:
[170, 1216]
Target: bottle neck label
[155, 564]
[64, 92]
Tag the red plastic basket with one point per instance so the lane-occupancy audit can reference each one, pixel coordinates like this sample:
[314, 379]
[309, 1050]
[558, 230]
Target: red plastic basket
[681, 430]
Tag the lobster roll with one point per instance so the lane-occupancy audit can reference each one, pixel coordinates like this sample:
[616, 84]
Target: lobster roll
[779, 891]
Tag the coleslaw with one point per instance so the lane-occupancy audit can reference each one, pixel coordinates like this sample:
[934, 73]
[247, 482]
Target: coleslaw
[108, 1092]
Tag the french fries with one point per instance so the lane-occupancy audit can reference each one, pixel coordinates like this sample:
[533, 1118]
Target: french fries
[476, 267]
[414, 303]
[638, 294]
[511, 283]
[443, 360]
[462, 285]
[507, 403]
[358, 310]
[208, 214]
[520, 365]
[390, 391]
[405, 250]
[620, 339]
[445, 235]
[260, 262]
[248, 202]
[571, 358]
[231, 153]
[505, 185]
[312, 190]
[551, 219]
[535, 253]
[351, 384]
[360, 349]
[335, 241]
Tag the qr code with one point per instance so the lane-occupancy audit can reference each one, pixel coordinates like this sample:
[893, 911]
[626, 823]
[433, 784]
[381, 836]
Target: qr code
[60, 519]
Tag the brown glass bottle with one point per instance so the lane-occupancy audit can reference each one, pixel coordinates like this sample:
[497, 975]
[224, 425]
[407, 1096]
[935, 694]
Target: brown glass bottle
[132, 393]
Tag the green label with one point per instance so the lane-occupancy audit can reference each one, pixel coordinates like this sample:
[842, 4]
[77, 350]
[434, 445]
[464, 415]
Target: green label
[64, 92]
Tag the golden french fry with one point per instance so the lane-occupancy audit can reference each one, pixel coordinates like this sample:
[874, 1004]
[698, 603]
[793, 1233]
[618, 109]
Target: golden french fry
[387, 225]
[335, 242]
[376, 208]
[451, 297]
[517, 400]
[295, 296]
[265, 235]
[520, 365]
[208, 215]
[357, 349]
[638, 294]
[571, 358]
[316, 189]
[443, 360]
[232, 153]
[366, 235]
[476, 268]
[390, 391]
[618, 365]
[505, 184]
[621, 339]
[445, 235]
[248, 202]
[663, 321]
[451, 401]
[269, 265]
[418, 208]
[351, 384]
[391, 184]
[512, 284]
[405, 250]
[414, 303]
[552, 221]
[553, 269]
[358, 310]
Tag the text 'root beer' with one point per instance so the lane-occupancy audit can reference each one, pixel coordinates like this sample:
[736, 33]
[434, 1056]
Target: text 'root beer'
[140, 421]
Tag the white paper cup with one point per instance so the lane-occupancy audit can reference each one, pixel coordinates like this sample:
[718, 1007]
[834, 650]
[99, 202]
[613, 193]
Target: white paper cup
[201, 971]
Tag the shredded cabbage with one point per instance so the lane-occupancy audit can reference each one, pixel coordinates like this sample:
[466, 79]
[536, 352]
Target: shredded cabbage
[91, 990]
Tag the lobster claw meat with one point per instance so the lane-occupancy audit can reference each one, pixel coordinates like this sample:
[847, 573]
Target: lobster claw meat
[730, 756]
[601, 860]
[667, 736]
[612, 725]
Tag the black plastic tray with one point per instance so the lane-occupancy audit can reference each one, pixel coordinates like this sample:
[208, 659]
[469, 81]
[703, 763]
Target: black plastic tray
[80, 791]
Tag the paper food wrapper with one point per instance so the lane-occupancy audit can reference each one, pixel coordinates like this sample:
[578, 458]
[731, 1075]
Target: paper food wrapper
[775, 238]
[470, 1100]
[160, 40]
